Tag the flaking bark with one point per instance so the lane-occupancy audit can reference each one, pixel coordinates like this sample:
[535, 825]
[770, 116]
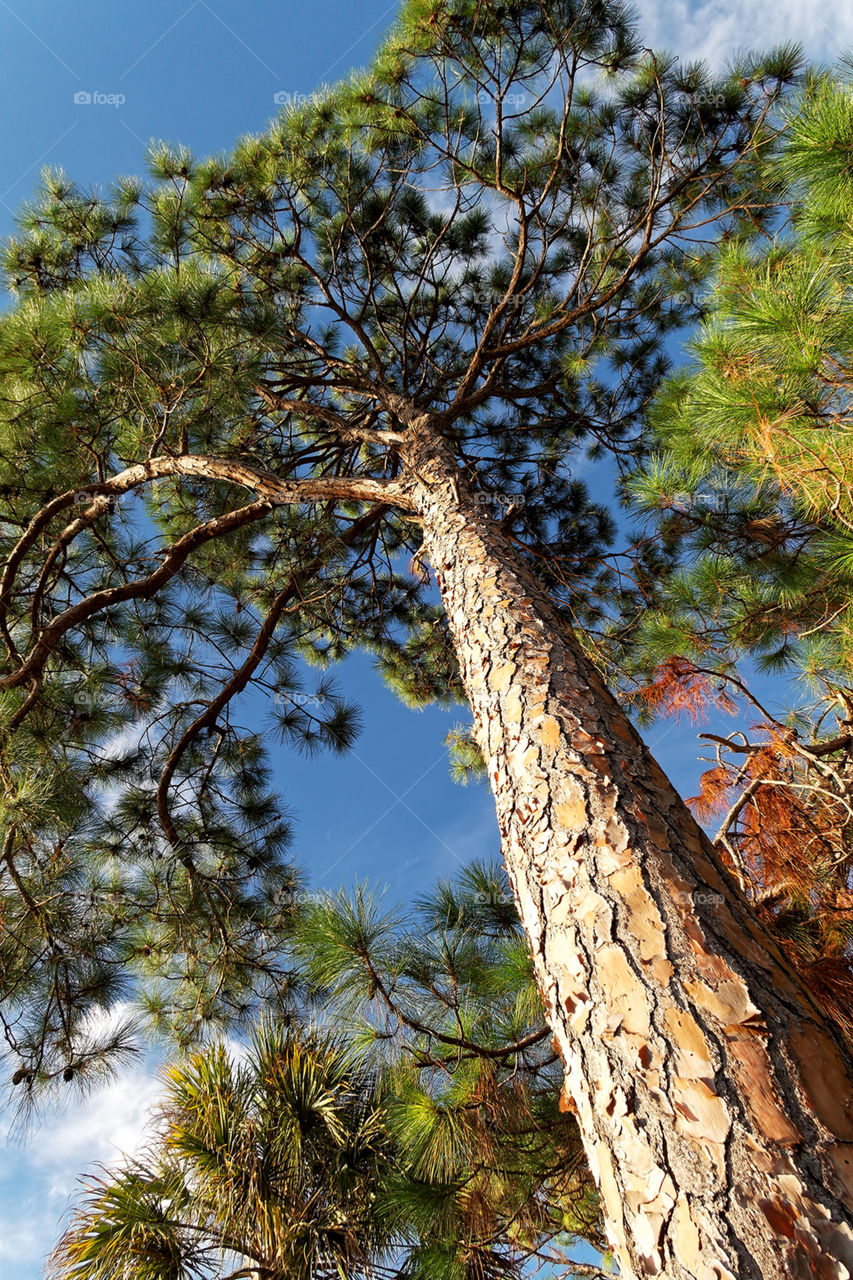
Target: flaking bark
[714, 1100]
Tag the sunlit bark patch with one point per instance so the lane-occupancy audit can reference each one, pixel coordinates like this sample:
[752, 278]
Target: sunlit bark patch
[693, 1060]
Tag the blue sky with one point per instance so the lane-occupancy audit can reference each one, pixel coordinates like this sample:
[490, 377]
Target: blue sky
[202, 73]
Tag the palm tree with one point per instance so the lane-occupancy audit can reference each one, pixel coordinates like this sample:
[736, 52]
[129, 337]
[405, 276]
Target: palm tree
[261, 1166]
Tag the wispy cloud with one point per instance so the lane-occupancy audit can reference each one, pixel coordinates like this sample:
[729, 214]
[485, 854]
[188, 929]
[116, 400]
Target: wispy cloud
[97, 1130]
[715, 30]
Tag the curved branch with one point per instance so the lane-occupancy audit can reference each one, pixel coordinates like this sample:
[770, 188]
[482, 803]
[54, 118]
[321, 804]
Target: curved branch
[267, 485]
[274, 492]
[141, 588]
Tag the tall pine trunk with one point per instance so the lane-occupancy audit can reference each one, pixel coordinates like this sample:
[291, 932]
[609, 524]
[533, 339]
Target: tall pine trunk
[714, 1099]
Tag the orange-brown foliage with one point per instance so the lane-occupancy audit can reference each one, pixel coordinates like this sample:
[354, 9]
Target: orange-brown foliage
[792, 841]
[678, 687]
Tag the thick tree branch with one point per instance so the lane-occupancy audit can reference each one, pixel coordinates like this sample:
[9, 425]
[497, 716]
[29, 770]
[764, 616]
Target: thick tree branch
[267, 485]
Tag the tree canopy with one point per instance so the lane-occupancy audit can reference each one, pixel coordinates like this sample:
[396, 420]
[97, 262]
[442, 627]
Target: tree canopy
[493, 225]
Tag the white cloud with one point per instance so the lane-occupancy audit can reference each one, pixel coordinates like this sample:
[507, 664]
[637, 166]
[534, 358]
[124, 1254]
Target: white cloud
[39, 1178]
[716, 29]
[97, 1130]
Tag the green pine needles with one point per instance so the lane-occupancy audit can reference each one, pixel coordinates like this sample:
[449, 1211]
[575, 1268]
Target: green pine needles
[753, 479]
[205, 385]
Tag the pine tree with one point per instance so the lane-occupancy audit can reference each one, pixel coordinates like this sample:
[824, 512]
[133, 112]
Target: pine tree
[752, 477]
[391, 321]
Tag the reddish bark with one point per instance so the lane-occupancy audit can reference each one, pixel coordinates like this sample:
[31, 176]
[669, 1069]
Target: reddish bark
[714, 1098]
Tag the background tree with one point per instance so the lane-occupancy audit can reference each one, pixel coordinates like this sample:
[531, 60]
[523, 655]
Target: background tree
[752, 482]
[440, 1003]
[424, 1141]
[400, 301]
